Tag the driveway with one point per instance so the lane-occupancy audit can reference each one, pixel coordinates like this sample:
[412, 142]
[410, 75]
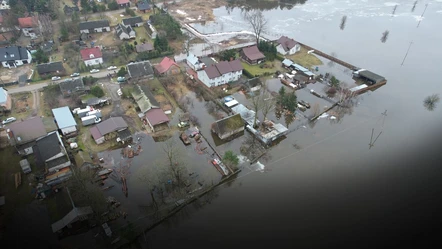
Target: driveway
[112, 88]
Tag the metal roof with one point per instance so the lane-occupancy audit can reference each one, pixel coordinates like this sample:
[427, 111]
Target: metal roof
[287, 62]
[111, 125]
[71, 217]
[93, 24]
[299, 67]
[63, 117]
[371, 76]
[28, 130]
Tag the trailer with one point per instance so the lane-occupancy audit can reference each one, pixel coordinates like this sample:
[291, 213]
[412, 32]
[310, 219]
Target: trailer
[95, 112]
[92, 119]
[82, 112]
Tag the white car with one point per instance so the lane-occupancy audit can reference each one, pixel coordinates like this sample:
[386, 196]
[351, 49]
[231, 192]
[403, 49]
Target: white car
[112, 68]
[94, 71]
[8, 120]
[55, 78]
[75, 75]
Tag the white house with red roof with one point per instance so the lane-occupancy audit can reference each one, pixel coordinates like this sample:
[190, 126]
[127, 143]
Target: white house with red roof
[92, 56]
[221, 73]
[27, 25]
[166, 67]
[287, 46]
[123, 3]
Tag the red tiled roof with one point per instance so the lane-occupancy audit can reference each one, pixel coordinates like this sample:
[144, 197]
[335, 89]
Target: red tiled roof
[165, 64]
[122, 1]
[26, 22]
[87, 52]
[253, 53]
[156, 116]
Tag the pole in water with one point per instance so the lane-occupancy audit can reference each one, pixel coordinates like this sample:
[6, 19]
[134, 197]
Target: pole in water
[406, 54]
[426, 5]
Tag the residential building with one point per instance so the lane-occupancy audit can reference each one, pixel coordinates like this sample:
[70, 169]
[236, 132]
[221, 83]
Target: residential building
[50, 152]
[167, 66]
[252, 55]
[123, 3]
[28, 25]
[369, 77]
[47, 46]
[135, 21]
[22, 135]
[12, 57]
[151, 31]
[94, 26]
[144, 6]
[221, 73]
[68, 10]
[72, 86]
[207, 61]
[64, 119]
[229, 126]
[303, 71]
[156, 117]
[144, 99]
[5, 100]
[194, 62]
[77, 214]
[287, 46]
[106, 127]
[51, 68]
[92, 56]
[84, 161]
[125, 32]
[144, 47]
[246, 114]
[139, 70]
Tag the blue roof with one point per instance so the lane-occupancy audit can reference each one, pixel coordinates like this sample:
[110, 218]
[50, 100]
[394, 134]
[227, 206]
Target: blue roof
[192, 59]
[228, 99]
[308, 73]
[3, 95]
[300, 68]
[64, 117]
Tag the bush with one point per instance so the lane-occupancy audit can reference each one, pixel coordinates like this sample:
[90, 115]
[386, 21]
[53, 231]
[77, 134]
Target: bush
[279, 57]
[247, 74]
[112, 5]
[97, 91]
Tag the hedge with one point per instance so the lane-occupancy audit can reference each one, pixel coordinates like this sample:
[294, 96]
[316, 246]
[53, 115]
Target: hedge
[247, 74]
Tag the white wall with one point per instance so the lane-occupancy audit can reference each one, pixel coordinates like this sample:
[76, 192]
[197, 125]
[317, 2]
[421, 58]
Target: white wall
[18, 62]
[68, 130]
[94, 61]
[97, 30]
[26, 31]
[280, 50]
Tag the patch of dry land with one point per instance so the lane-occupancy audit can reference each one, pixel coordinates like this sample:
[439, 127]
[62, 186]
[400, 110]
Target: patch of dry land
[195, 10]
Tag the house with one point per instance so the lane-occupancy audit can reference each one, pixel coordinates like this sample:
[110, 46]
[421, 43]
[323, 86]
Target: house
[12, 57]
[47, 46]
[151, 31]
[287, 46]
[5, 100]
[50, 152]
[144, 99]
[123, 3]
[94, 26]
[207, 61]
[51, 68]
[68, 10]
[72, 86]
[221, 73]
[228, 126]
[369, 77]
[4, 5]
[252, 55]
[77, 214]
[138, 70]
[303, 71]
[167, 66]
[143, 6]
[135, 21]
[144, 47]
[101, 130]
[92, 56]
[246, 114]
[84, 160]
[64, 119]
[125, 32]
[194, 62]
[27, 25]
[155, 117]
[22, 135]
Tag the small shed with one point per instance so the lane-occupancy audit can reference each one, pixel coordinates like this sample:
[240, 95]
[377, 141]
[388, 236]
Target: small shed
[228, 126]
[64, 119]
[25, 166]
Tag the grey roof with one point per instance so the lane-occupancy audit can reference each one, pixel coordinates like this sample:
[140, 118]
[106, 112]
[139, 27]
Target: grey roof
[207, 61]
[111, 125]
[144, 98]
[228, 124]
[28, 130]
[287, 62]
[95, 101]
[69, 86]
[49, 146]
[144, 47]
[93, 24]
[132, 20]
[57, 161]
[124, 134]
[286, 43]
[371, 76]
[50, 67]
[236, 65]
[71, 217]
[13, 53]
[70, 9]
[139, 69]
[63, 117]
[120, 28]
[143, 5]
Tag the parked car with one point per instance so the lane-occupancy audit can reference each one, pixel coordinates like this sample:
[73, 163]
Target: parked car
[56, 78]
[185, 138]
[304, 103]
[112, 68]
[121, 79]
[302, 108]
[183, 124]
[8, 120]
[94, 71]
[75, 74]
[119, 92]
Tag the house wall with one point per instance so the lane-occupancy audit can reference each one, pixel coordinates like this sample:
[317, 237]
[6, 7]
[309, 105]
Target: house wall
[18, 62]
[100, 140]
[94, 61]
[205, 79]
[194, 67]
[26, 31]
[280, 50]
[96, 30]
[124, 36]
[124, 5]
[228, 134]
[68, 130]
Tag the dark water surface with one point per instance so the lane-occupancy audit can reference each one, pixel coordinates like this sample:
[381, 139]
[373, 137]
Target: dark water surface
[335, 190]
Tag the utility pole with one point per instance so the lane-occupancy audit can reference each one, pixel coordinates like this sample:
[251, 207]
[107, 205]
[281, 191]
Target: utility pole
[426, 5]
[406, 54]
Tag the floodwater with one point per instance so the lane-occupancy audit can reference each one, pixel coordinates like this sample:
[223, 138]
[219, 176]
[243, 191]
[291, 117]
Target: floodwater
[367, 180]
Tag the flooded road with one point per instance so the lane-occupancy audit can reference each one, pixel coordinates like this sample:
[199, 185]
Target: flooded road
[339, 185]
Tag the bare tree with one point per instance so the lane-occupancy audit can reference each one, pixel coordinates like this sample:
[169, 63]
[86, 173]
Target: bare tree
[174, 161]
[45, 26]
[267, 105]
[385, 36]
[256, 104]
[343, 21]
[414, 6]
[258, 22]
[431, 101]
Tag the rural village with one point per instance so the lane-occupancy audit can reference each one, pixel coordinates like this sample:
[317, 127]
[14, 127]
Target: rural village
[102, 99]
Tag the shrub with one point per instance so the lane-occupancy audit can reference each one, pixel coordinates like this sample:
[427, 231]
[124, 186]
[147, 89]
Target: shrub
[97, 91]
[247, 74]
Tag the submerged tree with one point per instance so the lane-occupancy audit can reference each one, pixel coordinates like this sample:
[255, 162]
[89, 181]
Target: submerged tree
[414, 6]
[231, 159]
[385, 36]
[431, 101]
[394, 10]
[343, 21]
[258, 22]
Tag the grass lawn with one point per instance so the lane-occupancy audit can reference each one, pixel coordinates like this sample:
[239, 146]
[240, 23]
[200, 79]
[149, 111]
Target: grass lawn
[141, 34]
[272, 67]
[305, 59]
